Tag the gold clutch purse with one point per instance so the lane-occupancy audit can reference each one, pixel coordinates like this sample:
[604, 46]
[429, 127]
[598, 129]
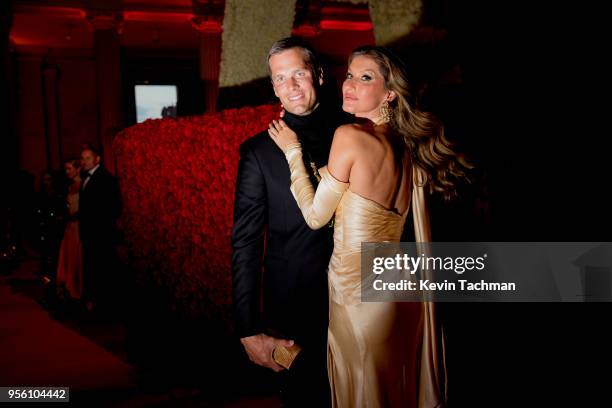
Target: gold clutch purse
[285, 356]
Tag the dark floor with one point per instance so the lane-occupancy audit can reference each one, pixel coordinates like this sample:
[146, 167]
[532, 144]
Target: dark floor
[498, 354]
[47, 343]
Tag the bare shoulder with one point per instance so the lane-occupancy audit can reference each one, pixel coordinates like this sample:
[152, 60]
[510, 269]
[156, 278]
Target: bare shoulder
[352, 129]
[352, 135]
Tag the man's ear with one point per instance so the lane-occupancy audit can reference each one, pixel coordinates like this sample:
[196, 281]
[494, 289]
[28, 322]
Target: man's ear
[320, 77]
[274, 88]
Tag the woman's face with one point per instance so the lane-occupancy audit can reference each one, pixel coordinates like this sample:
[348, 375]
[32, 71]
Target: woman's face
[71, 171]
[364, 90]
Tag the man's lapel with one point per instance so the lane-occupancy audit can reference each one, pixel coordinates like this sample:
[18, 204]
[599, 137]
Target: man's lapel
[90, 179]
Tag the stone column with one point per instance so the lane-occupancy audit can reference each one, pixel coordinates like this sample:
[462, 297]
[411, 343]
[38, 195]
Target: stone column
[307, 19]
[8, 141]
[210, 59]
[50, 100]
[107, 54]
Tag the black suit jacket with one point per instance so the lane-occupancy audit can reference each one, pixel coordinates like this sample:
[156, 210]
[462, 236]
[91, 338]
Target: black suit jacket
[99, 208]
[290, 299]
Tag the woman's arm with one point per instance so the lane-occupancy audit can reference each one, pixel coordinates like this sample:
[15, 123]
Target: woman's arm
[342, 153]
[317, 207]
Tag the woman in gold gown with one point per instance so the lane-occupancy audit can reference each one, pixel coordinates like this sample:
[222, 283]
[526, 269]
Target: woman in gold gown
[387, 354]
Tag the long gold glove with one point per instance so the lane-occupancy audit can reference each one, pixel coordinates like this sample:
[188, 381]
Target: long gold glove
[317, 208]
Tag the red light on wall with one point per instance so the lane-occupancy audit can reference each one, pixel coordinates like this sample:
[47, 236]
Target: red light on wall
[157, 16]
[361, 12]
[305, 30]
[48, 11]
[206, 26]
[346, 25]
[19, 40]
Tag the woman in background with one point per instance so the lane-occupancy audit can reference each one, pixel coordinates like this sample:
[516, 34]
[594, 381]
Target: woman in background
[70, 265]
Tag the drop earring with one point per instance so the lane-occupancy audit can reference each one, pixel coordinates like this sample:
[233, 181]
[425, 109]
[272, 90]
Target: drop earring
[386, 113]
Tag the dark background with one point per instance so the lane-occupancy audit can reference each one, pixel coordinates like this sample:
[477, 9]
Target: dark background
[535, 81]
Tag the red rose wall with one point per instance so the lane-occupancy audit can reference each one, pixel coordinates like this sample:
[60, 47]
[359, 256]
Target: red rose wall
[177, 181]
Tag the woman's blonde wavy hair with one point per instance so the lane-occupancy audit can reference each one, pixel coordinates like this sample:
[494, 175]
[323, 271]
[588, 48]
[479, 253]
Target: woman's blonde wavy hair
[423, 133]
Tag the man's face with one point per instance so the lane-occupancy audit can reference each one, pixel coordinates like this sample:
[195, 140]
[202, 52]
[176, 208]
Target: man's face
[293, 82]
[89, 160]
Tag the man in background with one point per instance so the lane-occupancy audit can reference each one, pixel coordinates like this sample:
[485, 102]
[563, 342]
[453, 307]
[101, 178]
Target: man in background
[99, 209]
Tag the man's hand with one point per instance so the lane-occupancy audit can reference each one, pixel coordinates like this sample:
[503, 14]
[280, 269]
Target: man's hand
[260, 347]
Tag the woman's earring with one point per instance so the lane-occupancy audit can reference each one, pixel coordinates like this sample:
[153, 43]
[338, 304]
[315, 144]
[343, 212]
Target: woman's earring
[386, 112]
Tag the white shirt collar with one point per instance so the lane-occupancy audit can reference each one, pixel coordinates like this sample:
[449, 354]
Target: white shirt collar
[92, 171]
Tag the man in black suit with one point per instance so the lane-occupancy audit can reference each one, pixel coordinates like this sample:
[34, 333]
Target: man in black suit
[99, 208]
[289, 302]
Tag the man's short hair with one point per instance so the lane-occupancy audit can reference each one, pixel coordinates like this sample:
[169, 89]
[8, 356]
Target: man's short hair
[310, 57]
[90, 147]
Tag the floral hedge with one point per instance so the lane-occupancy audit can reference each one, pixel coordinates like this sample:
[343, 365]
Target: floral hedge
[177, 181]
[249, 30]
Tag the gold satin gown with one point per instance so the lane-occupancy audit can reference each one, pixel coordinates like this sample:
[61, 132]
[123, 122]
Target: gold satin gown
[374, 349]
